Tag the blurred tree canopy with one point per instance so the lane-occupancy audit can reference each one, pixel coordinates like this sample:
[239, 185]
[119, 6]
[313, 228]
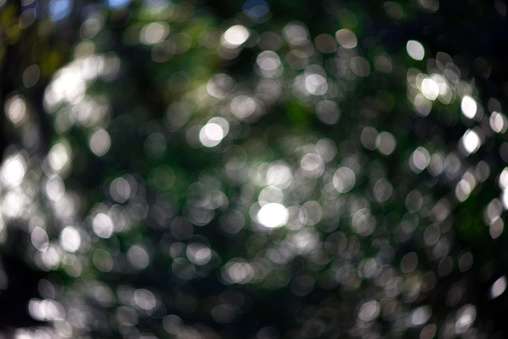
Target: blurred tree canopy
[253, 169]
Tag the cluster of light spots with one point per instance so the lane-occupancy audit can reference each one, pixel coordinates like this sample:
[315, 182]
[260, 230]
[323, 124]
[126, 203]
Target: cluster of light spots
[419, 159]
[465, 186]
[43, 310]
[415, 50]
[384, 141]
[468, 107]
[99, 142]
[235, 36]
[471, 141]
[492, 216]
[69, 84]
[346, 38]
[153, 33]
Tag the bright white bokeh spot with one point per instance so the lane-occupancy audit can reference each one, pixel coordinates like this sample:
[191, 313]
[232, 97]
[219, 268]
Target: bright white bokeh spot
[498, 122]
[40, 239]
[54, 188]
[468, 107]
[59, 157]
[346, 38]
[312, 165]
[504, 199]
[386, 143]
[419, 160]
[465, 318]
[199, 254]
[153, 33]
[344, 179]
[138, 257]
[120, 190]
[503, 179]
[369, 311]
[273, 215]
[237, 271]
[471, 141]
[213, 132]
[430, 89]
[279, 175]
[102, 225]
[296, 33]
[70, 240]
[270, 194]
[145, 299]
[498, 287]
[235, 36]
[100, 142]
[415, 50]
[244, 106]
[420, 315]
[268, 60]
[465, 186]
[316, 84]
[15, 109]
[13, 170]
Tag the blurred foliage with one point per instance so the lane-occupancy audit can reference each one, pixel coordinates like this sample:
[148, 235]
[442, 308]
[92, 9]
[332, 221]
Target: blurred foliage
[218, 169]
